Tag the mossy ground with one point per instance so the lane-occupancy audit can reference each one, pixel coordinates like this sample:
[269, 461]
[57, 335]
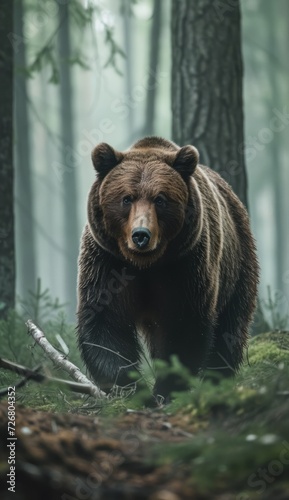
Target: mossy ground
[238, 429]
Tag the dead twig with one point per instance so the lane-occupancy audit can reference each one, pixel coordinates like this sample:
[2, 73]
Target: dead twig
[32, 374]
[59, 360]
[28, 375]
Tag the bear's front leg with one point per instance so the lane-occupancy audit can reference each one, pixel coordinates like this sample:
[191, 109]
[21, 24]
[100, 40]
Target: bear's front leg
[109, 345]
[191, 339]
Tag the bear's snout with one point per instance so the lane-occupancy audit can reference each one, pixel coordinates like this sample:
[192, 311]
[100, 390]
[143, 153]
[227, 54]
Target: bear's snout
[142, 228]
[141, 237]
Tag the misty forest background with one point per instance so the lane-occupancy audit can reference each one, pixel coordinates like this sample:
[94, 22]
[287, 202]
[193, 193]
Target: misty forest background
[90, 71]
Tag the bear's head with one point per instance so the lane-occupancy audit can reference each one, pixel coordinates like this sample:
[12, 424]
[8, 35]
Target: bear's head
[138, 202]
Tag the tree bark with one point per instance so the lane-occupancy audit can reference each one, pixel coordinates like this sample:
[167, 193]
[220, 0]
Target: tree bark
[153, 67]
[207, 72]
[275, 148]
[70, 224]
[127, 32]
[285, 145]
[25, 237]
[7, 250]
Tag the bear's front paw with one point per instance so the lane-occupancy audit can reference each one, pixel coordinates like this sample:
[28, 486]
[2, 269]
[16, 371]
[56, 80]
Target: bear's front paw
[164, 386]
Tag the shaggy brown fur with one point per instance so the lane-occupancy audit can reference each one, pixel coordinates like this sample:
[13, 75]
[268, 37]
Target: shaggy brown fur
[190, 291]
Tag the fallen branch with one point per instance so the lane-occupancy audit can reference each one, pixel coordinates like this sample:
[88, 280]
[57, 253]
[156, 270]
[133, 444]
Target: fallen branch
[21, 370]
[31, 374]
[59, 360]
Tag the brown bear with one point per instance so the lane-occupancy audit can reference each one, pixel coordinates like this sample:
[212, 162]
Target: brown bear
[167, 254]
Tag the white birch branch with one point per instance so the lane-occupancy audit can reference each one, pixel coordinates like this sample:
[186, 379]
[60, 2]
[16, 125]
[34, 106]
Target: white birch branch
[59, 360]
[33, 374]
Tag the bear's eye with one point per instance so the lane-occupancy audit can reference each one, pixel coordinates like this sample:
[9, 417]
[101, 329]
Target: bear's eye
[160, 200]
[127, 200]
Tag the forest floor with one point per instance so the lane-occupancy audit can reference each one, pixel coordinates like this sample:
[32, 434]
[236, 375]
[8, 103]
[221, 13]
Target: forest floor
[224, 442]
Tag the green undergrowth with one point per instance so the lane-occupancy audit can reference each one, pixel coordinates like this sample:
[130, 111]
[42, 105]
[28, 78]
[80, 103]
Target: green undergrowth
[264, 370]
[250, 462]
[263, 375]
[240, 437]
[18, 347]
[239, 426]
[241, 442]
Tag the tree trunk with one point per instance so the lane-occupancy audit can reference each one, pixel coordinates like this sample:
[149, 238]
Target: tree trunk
[70, 224]
[207, 71]
[127, 31]
[285, 166]
[7, 250]
[275, 148]
[153, 67]
[25, 238]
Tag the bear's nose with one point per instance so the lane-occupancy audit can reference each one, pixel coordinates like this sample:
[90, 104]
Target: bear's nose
[141, 237]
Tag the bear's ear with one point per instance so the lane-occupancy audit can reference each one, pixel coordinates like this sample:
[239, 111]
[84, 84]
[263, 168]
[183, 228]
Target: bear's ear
[186, 160]
[105, 158]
